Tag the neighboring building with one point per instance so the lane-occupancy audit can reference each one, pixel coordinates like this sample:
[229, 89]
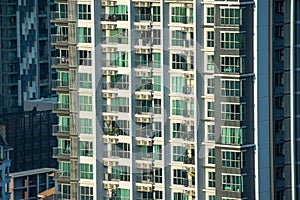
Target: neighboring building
[30, 134]
[177, 99]
[28, 184]
[4, 167]
[25, 71]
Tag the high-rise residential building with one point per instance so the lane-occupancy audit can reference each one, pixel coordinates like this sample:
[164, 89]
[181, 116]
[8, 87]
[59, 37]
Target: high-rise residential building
[25, 71]
[177, 99]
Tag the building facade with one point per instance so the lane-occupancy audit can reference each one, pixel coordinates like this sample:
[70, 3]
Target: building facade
[28, 184]
[30, 134]
[4, 168]
[175, 99]
[25, 71]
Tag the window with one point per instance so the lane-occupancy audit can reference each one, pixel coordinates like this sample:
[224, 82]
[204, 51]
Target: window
[121, 150]
[180, 196]
[178, 84]
[84, 11]
[156, 37]
[232, 159]
[157, 83]
[85, 126]
[210, 39]
[86, 171]
[158, 175]
[84, 35]
[179, 130]
[123, 194]
[61, 11]
[85, 57]
[156, 13]
[210, 15]
[179, 15]
[157, 106]
[231, 88]
[179, 107]
[85, 80]
[211, 179]
[211, 197]
[120, 104]
[158, 195]
[178, 153]
[64, 169]
[157, 129]
[210, 63]
[210, 109]
[121, 173]
[232, 135]
[179, 61]
[231, 16]
[64, 190]
[232, 40]
[86, 193]
[233, 112]
[232, 183]
[86, 148]
[123, 127]
[211, 156]
[232, 65]
[179, 177]
[211, 132]
[178, 38]
[156, 60]
[117, 59]
[120, 81]
[85, 103]
[210, 88]
[119, 12]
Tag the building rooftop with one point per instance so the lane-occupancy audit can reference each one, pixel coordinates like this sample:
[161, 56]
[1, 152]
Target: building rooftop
[32, 172]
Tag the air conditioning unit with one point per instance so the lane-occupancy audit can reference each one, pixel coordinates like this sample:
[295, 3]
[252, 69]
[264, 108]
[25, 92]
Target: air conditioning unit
[138, 96]
[114, 141]
[139, 165]
[147, 189]
[106, 163]
[147, 166]
[138, 51]
[142, 4]
[190, 192]
[104, 3]
[105, 26]
[147, 143]
[139, 119]
[105, 140]
[106, 186]
[111, 3]
[189, 5]
[189, 76]
[146, 51]
[140, 142]
[146, 120]
[140, 188]
[106, 95]
[114, 163]
[114, 186]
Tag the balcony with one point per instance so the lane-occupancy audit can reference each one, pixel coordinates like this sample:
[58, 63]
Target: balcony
[62, 108]
[62, 177]
[58, 17]
[60, 85]
[61, 153]
[143, 17]
[59, 39]
[114, 17]
[115, 40]
[60, 62]
[60, 131]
